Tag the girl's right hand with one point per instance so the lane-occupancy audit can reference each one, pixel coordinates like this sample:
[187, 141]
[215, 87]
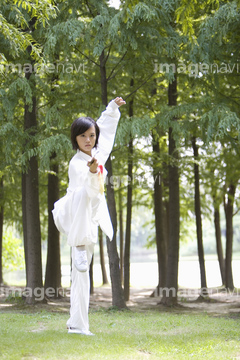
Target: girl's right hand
[93, 165]
[119, 101]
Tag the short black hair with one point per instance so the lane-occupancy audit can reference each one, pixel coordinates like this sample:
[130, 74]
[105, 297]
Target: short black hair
[79, 126]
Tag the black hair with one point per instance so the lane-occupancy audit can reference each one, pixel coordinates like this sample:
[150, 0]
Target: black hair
[79, 126]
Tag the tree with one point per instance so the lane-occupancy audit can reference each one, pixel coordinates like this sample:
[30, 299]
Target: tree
[214, 164]
[219, 240]
[53, 267]
[121, 236]
[129, 211]
[161, 239]
[199, 219]
[30, 203]
[102, 261]
[170, 296]
[228, 207]
[117, 293]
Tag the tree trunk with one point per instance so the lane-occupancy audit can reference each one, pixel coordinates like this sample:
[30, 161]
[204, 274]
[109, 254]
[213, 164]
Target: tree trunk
[31, 218]
[129, 212]
[170, 292]
[158, 213]
[117, 291]
[121, 233]
[24, 221]
[128, 224]
[53, 267]
[1, 230]
[91, 276]
[103, 79]
[199, 220]
[102, 260]
[229, 237]
[166, 223]
[30, 196]
[219, 242]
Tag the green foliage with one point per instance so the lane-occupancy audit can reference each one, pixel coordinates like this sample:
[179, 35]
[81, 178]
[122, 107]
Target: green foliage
[220, 122]
[13, 252]
[14, 18]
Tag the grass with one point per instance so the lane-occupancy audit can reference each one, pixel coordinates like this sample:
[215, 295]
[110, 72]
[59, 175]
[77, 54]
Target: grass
[40, 334]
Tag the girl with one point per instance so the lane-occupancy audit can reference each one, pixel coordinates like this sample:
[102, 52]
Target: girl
[84, 207]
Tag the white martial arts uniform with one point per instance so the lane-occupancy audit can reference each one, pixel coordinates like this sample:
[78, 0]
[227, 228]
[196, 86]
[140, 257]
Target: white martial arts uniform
[83, 208]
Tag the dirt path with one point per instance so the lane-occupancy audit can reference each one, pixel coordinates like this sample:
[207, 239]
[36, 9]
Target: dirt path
[218, 304]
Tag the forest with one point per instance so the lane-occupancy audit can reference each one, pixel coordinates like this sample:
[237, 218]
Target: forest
[177, 65]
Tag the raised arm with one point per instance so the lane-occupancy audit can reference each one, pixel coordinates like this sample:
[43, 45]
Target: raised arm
[107, 123]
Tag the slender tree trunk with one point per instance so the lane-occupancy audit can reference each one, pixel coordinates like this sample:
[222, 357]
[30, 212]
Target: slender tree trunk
[129, 212]
[31, 216]
[165, 214]
[24, 221]
[199, 220]
[128, 224]
[32, 227]
[1, 229]
[229, 236]
[53, 267]
[91, 276]
[170, 294]
[117, 291]
[159, 220]
[102, 260]
[166, 223]
[121, 234]
[219, 241]
[159, 210]
[104, 83]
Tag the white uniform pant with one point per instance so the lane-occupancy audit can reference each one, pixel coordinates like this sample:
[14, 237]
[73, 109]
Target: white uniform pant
[80, 294]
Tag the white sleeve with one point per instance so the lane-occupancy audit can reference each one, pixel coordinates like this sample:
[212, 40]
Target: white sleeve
[92, 185]
[107, 123]
[80, 177]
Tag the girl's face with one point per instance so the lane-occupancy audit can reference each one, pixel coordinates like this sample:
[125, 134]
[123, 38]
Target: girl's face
[86, 141]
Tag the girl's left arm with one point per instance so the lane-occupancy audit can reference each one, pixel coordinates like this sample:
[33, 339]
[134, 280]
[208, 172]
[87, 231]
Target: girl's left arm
[81, 178]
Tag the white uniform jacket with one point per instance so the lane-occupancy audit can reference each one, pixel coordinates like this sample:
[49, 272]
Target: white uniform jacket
[83, 208]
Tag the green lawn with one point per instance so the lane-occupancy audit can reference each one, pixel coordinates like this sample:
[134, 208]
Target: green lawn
[40, 334]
